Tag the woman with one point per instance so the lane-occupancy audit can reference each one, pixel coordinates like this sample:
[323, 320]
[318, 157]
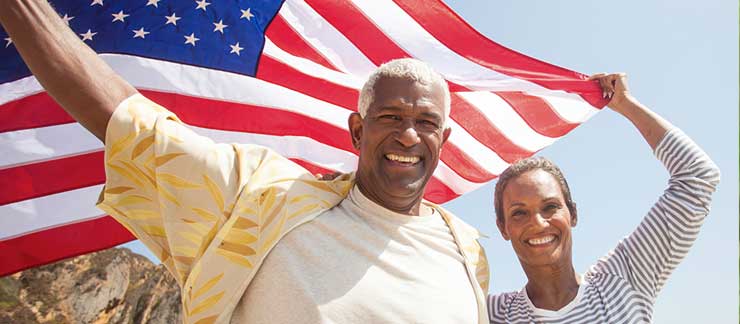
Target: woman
[535, 211]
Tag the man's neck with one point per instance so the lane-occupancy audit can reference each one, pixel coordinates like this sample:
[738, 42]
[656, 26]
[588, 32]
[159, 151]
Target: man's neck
[409, 207]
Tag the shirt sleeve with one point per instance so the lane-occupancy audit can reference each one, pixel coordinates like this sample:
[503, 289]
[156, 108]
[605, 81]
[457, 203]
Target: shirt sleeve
[174, 189]
[649, 255]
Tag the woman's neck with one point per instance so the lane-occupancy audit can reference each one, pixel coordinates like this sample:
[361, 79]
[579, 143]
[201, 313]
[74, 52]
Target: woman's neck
[551, 287]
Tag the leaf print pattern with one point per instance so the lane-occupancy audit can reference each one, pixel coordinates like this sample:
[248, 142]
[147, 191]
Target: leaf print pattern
[210, 212]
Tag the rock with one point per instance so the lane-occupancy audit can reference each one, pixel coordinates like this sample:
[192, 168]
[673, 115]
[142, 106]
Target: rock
[110, 286]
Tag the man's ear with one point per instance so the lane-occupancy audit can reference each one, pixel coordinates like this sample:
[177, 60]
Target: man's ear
[355, 128]
[502, 229]
[446, 134]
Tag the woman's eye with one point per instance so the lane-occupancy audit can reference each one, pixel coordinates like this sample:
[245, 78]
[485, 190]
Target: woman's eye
[518, 213]
[552, 207]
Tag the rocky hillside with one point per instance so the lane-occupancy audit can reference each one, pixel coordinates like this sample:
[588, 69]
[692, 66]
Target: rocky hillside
[111, 286]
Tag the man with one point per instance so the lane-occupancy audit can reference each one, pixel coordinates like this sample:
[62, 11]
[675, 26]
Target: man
[250, 236]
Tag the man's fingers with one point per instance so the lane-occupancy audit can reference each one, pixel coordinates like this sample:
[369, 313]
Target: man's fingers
[596, 76]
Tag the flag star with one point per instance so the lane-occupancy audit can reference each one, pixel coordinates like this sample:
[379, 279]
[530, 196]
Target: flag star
[191, 39]
[220, 26]
[97, 2]
[153, 3]
[67, 19]
[172, 19]
[141, 33]
[202, 4]
[120, 16]
[247, 14]
[9, 41]
[236, 49]
[88, 35]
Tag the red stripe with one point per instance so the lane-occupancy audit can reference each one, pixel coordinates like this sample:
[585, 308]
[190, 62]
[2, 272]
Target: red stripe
[31, 112]
[537, 113]
[452, 31]
[279, 73]
[280, 33]
[437, 192]
[50, 177]
[363, 33]
[353, 24]
[482, 130]
[61, 242]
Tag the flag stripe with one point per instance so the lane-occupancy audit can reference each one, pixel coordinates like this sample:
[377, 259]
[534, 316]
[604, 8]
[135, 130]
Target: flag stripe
[450, 29]
[29, 113]
[331, 43]
[32, 215]
[50, 177]
[473, 121]
[287, 39]
[500, 114]
[57, 243]
[537, 113]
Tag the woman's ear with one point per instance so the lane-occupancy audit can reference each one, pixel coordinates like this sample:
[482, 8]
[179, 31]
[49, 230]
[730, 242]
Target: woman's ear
[502, 229]
[573, 216]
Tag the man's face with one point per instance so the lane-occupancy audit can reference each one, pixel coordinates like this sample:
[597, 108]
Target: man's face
[399, 141]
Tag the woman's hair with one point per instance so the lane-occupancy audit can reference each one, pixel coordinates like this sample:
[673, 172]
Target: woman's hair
[523, 166]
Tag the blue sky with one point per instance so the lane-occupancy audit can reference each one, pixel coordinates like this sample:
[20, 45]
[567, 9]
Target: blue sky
[682, 61]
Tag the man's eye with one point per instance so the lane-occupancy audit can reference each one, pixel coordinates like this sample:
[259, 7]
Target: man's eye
[389, 117]
[428, 123]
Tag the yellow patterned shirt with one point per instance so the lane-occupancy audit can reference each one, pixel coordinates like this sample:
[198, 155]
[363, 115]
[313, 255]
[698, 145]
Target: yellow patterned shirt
[212, 212]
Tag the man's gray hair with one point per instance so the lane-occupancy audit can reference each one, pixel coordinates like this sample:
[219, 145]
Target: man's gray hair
[406, 68]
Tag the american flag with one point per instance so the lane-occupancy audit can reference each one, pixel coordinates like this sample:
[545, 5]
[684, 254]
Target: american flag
[284, 74]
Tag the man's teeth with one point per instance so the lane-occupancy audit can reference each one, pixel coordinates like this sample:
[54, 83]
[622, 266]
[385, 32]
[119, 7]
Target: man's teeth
[403, 159]
[542, 240]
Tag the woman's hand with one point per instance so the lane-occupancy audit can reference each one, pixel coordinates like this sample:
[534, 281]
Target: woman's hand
[614, 86]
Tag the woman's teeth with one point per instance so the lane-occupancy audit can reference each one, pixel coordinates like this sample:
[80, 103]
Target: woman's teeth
[402, 159]
[541, 240]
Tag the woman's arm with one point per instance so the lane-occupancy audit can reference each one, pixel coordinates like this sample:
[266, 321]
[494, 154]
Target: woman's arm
[649, 255]
[85, 86]
[651, 126]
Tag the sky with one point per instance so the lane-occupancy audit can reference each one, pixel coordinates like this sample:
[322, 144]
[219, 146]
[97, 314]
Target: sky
[682, 61]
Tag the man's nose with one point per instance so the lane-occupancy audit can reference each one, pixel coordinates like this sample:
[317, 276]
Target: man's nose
[408, 136]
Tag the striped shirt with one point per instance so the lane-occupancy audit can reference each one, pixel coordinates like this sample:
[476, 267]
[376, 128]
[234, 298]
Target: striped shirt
[622, 286]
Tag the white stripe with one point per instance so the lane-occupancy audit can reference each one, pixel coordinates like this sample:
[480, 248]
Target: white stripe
[44, 143]
[311, 68]
[570, 109]
[39, 213]
[196, 81]
[19, 89]
[511, 124]
[72, 206]
[73, 139]
[171, 77]
[323, 37]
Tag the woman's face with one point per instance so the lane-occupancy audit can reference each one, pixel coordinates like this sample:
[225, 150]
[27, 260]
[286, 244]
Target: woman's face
[536, 219]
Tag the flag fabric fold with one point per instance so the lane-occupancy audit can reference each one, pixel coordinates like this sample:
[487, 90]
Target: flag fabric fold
[283, 74]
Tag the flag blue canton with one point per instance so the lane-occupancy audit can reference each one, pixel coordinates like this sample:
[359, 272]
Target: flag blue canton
[215, 34]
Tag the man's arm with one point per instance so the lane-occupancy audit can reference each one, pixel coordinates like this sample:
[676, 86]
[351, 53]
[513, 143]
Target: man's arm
[85, 86]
